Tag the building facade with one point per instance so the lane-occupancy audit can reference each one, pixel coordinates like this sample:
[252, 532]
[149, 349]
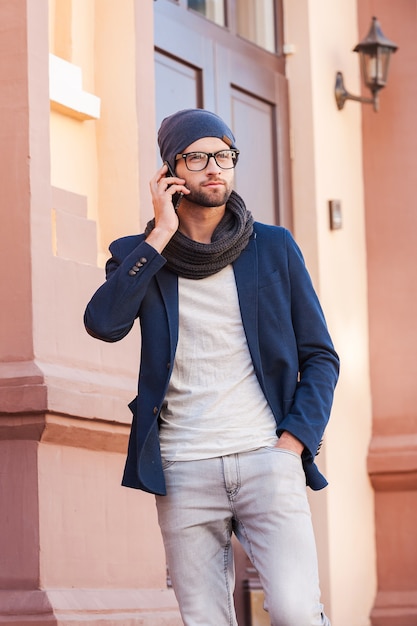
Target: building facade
[84, 86]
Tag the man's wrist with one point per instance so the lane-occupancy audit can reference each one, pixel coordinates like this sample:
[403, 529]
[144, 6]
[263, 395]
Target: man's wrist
[159, 237]
[287, 441]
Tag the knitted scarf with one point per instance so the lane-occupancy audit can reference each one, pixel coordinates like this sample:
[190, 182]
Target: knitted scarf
[192, 259]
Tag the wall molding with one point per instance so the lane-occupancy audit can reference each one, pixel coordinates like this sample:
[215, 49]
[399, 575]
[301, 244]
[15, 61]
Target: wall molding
[392, 462]
[127, 607]
[66, 93]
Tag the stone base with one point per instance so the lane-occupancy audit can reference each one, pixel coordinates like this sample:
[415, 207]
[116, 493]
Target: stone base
[95, 607]
[395, 608]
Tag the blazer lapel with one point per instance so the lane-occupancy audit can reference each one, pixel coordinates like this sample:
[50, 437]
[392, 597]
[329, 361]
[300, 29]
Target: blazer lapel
[168, 285]
[246, 275]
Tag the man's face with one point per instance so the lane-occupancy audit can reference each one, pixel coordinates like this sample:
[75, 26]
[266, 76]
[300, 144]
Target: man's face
[212, 186]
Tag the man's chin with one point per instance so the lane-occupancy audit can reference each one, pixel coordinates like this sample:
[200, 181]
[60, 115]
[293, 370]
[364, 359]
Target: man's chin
[211, 200]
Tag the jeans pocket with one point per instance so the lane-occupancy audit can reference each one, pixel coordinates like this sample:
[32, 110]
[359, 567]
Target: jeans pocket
[166, 464]
[284, 451]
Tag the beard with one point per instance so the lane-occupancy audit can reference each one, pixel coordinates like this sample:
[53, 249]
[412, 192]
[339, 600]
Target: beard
[207, 197]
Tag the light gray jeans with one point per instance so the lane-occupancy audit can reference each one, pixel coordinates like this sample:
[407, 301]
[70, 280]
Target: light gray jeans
[261, 497]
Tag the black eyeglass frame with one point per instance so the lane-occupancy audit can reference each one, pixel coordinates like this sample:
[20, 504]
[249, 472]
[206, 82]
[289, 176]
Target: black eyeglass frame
[233, 151]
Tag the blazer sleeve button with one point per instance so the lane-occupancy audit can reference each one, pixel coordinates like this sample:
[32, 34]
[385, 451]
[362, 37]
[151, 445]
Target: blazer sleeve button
[132, 273]
[143, 260]
[155, 410]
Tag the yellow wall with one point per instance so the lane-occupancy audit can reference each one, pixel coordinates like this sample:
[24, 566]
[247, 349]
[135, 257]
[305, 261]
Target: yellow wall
[99, 158]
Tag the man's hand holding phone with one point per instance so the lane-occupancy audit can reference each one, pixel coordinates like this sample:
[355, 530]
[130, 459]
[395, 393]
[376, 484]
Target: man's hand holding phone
[164, 185]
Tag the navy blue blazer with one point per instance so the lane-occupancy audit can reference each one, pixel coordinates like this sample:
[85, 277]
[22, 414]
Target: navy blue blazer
[292, 353]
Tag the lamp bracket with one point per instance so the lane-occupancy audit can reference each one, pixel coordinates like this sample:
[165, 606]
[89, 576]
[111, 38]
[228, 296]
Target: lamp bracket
[341, 95]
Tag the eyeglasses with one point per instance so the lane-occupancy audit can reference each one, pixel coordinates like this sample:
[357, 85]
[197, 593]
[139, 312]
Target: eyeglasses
[197, 161]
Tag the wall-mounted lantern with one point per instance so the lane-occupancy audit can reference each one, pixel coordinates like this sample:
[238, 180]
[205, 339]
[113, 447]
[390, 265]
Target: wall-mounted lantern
[375, 53]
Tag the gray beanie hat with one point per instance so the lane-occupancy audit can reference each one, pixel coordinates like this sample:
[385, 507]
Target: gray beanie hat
[184, 127]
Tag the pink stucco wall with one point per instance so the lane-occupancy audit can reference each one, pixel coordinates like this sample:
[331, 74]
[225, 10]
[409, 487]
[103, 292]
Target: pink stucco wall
[74, 545]
[389, 156]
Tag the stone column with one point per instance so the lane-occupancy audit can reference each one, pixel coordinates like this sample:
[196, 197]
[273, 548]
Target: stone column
[74, 545]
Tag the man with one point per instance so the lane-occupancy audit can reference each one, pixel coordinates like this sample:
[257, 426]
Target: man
[235, 385]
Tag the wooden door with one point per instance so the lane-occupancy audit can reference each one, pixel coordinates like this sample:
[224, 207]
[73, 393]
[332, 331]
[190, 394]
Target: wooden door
[199, 64]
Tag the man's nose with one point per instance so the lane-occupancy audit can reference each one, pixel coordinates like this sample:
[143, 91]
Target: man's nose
[212, 165]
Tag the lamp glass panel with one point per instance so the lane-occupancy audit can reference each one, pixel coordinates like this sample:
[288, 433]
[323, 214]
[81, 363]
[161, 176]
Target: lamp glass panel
[384, 55]
[375, 67]
[256, 22]
[211, 9]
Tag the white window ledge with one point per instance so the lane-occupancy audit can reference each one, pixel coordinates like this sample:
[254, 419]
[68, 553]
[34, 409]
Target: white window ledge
[66, 93]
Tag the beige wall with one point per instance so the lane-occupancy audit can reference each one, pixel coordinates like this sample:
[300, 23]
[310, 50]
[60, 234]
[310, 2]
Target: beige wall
[327, 164]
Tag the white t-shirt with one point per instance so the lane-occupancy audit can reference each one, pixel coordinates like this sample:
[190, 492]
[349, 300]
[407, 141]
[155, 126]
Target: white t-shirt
[214, 405]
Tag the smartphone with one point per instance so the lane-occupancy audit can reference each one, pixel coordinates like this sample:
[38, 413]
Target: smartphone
[176, 198]
[170, 170]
